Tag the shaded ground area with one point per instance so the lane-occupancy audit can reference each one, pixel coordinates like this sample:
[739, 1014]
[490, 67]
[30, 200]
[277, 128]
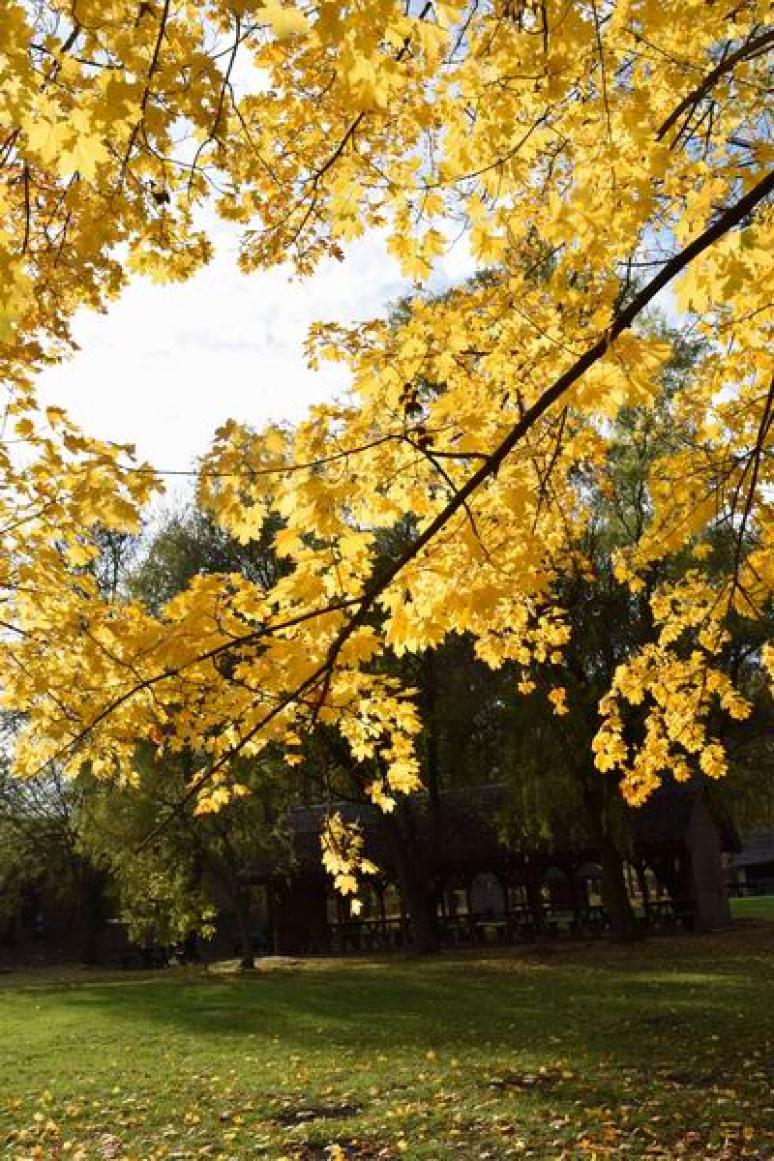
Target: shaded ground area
[663, 1051]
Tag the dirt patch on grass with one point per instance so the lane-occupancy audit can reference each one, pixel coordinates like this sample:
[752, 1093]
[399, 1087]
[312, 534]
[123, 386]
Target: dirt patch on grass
[544, 1078]
[304, 1114]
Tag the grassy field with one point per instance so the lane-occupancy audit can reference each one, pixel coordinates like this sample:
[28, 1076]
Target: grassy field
[754, 907]
[663, 1051]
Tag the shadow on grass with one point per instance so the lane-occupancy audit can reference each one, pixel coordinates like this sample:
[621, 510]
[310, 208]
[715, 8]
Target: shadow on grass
[661, 1051]
[651, 999]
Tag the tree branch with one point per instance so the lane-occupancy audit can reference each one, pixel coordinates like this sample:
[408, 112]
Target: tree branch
[748, 51]
[381, 581]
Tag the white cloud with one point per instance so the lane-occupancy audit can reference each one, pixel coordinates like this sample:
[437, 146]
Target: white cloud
[167, 364]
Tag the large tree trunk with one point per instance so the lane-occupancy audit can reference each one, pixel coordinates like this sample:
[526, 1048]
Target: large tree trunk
[615, 895]
[242, 913]
[419, 887]
[92, 913]
[603, 811]
[416, 883]
[421, 903]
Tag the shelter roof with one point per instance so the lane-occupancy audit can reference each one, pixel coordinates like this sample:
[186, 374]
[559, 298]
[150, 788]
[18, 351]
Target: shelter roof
[757, 848]
[470, 828]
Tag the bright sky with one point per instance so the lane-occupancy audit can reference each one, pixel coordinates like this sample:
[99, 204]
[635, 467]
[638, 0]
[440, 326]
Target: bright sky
[168, 364]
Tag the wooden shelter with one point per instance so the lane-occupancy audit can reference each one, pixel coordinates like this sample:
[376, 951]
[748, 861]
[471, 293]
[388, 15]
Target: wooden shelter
[488, 889]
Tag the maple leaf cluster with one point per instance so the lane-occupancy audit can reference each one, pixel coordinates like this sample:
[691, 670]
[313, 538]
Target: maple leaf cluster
[592, 154]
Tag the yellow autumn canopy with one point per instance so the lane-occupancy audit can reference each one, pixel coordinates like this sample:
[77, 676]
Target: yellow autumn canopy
[589, 154]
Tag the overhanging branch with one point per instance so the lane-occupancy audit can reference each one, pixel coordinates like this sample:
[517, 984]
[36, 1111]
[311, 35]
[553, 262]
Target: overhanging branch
[624, 319]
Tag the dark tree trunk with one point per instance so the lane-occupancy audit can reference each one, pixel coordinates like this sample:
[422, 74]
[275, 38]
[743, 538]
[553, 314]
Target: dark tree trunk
[191, 952]
[92, 913]
[615, 895]
[421, 904]
[603, 810]
[271, 919]
[242, 913]
[417, 887]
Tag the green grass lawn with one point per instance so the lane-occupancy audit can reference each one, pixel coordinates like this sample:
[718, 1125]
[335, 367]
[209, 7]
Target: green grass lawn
[662, 1051]
[753, 907]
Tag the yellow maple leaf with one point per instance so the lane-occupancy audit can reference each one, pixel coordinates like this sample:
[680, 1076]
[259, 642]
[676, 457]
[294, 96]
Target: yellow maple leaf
[286, 22]
[84, 155]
